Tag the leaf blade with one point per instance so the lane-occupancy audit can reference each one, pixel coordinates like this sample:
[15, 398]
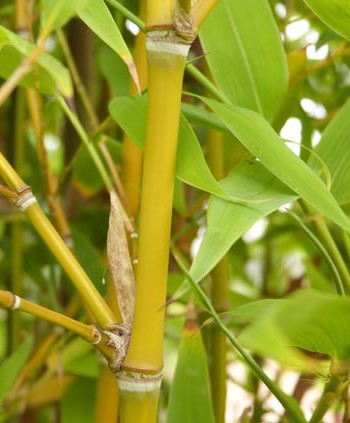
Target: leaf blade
[98, 18]
[248, 66]
[259, 137]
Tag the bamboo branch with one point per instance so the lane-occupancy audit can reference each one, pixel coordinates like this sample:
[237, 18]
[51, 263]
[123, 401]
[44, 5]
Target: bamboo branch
[200, 10]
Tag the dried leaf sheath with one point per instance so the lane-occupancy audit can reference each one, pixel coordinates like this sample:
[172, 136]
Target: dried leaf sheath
[120, 266]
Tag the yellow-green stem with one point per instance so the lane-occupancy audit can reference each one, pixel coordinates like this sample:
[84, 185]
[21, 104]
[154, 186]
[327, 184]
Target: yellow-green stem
[330, 245]
[17, 227]
[107, 397]
[164, 95]
[11, 301]
[34, 213]
[166, 62]
[87, 142]
[138, 407]
[160, 13]
[77, 80]
[86, 288]
[219, 295]
[132, 155]
[201, 10]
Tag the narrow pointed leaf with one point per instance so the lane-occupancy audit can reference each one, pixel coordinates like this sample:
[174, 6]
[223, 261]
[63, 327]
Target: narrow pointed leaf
[98, 18]
[56, 13]
[191, 166]
[248, 63]
[228, 221]
[335, 153]
[322, 327]
[335, 14]
[53, 76]
[10, 368]
[190, 392]
[258, 136]
[78, 402]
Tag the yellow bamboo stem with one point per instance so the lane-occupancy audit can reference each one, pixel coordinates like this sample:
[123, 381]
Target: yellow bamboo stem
[35, 109]
[219, 295]
[34, 213]
[160, 13]
[86, 288]
[164, 94]
[107, 400]
[139, 382]
[13, 302]
[201, 10]
[132, 155]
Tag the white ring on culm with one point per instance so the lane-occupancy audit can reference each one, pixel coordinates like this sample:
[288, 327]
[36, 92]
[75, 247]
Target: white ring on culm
[134, 235]
[25, 201]
[16, 303]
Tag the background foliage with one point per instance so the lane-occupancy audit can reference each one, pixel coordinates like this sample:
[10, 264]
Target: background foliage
[273, 83]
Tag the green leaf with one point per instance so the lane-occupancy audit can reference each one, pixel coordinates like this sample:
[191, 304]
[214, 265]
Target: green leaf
[98, 18]
[334, 13]
[88, 256]
[190, 391]
[248, 63]
[11, 366]
[198, 116]
[52, 75]
[86, 175]
[190, 163]
[322, 327]
[228, 221]
[258, 136]
[78, 404]
[335, 153]
[88, 365]
[114, 70]
[56, 13]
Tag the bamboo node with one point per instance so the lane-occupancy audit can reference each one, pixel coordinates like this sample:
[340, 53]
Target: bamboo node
[16, 303]
[96, 335]
[184, 25]
[119, 340]
[138, 382]
[26, 199]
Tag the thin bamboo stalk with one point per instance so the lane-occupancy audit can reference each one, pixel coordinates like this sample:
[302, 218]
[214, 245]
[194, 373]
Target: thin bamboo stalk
[34, 213]
[328, 242]
[35, 110]
[17, 227]
[132, 155]
[13, 302]
[219, 294]
[201, 10]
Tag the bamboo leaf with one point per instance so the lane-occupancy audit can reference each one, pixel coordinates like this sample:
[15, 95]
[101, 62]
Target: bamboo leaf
[56, 13]
[52, 75]
[335, 14]
[10, 368]
[324, 323]
[190, 392]
[228, 221]
[88, 255]
[98, 18]
[335, 153]
[190, 163]
[249, 63]
[78, 403]
[258, 136]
